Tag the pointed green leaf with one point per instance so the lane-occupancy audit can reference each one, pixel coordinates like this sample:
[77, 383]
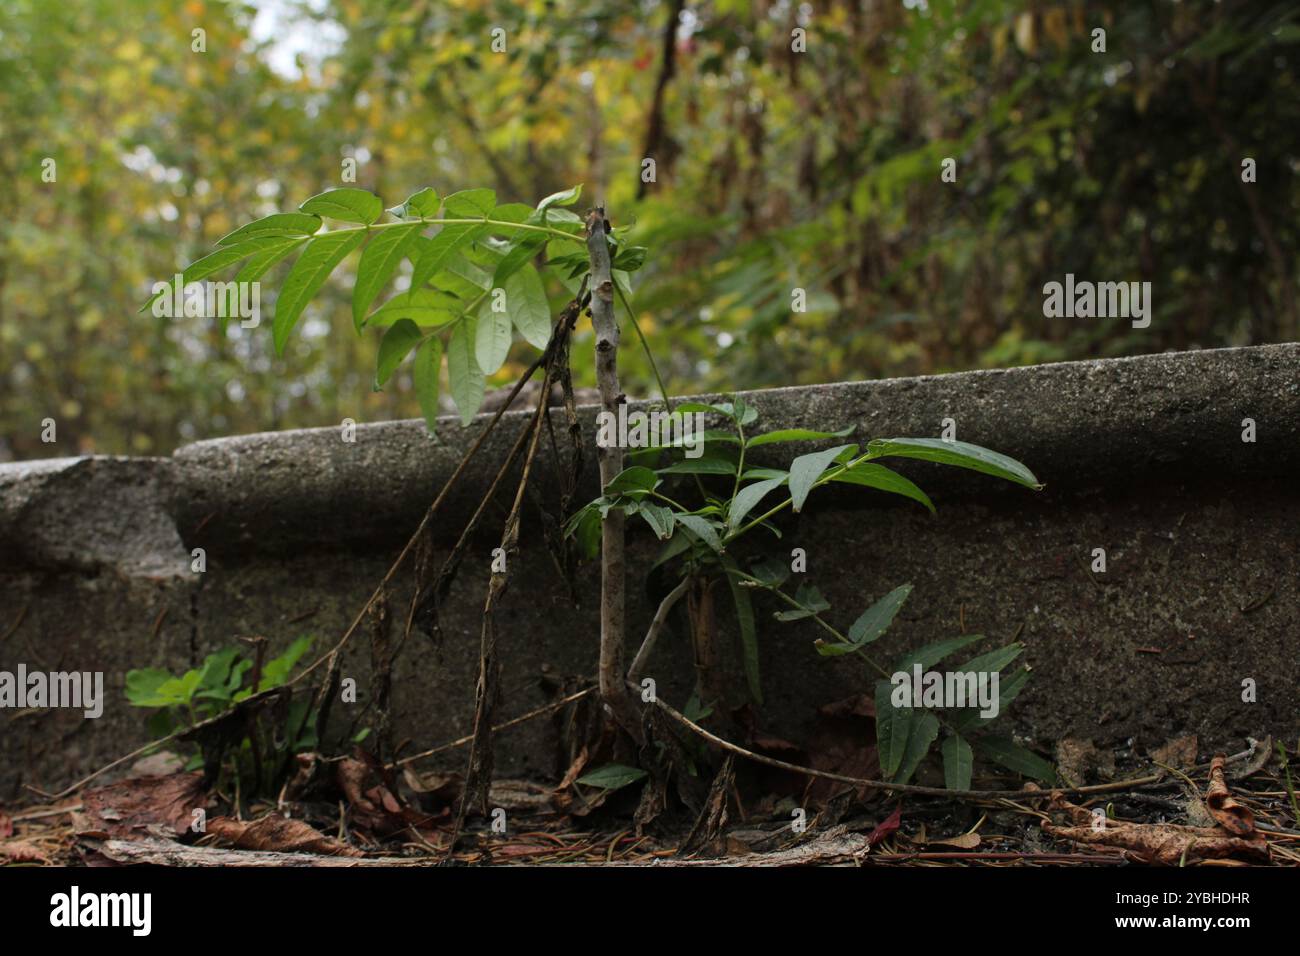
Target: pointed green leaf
[748, 497]
[260, 263]
[754, 474]
[424, 203]
[932, 654]
[305, 279]
[348, 204]
[659, 518]
[425, 375]
[425, 307]
[470, 204]
[959, 453]
[632, 481]
[1007, 753]
[878, 476]
[993, 660]
[812, 601]
[527, 306]
[521, 254]
[402, 336]
[280, 224]
[876, 619]
[806, 469]
[795, 434]
[1009, 687]
[958, 761]
[702, 528]
[468, 384]
[921, 736]
[378, 263]
[513, 212]
[436, 252]
[675, 546]
[491, 339]
[631, 258]
[893, 725]
[219, 260]
[459, 266]
[700, 466]
[612, 776]
[565, 197]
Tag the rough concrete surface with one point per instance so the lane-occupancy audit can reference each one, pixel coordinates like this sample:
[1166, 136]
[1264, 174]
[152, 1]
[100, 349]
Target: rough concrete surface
[1142, 457]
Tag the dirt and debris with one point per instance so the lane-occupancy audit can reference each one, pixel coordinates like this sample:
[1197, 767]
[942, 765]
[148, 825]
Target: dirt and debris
[362, 812]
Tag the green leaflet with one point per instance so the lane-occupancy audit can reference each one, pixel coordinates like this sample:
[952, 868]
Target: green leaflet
[1007, 753]
[424, 203]
[959, 453]
[308, 274]
[468, 384]
[878, 476]
[491, 338]
[378, 263]
[348, 204]
[565, 197]
[932, 654]
[402, 336]
[1009, 687]
[700, 466]
[440, 248]
[923, 732]
[521, 254]
[703, 529]
[876, 619]
[222, 258]
[795, 434]
[260, 263]
[893, 726]
[748, 497]
[958, 762]
[280, 224]
[612, 776]
[528, 307]
[470, 204]
[425, 307]
[806, 469]
[659, 517]
[425, 375]
[637, 480]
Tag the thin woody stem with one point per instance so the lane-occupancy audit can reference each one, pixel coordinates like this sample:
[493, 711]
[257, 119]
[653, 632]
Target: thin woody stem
[613, 598]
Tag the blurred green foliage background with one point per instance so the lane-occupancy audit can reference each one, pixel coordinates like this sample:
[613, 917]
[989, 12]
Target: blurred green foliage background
[775, 169]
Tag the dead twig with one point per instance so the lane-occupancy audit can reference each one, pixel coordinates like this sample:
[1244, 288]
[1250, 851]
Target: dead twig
[497, 728]
[656, 625]
[862, 783]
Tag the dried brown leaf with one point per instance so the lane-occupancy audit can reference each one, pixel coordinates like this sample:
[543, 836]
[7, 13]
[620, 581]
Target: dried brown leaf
[129, 808]
[1163, 843]
[278, 834]
[1179, 752]
[1227, 812]
[22, 851]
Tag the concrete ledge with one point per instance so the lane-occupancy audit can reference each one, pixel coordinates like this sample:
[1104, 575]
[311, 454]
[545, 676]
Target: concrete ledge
[1074, 423]
[1141, 456]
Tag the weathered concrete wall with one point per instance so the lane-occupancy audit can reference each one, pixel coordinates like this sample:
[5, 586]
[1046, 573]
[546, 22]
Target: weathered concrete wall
[1143, 457]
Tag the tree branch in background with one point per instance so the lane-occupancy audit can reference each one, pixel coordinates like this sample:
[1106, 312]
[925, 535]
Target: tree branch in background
[654, 136]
